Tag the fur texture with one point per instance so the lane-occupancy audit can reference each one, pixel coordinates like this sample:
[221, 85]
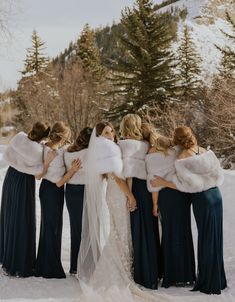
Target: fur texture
[79, 177]
[198, 173]
[56, 168]
[162, 165]
[24, 155]
[109, 158]
[133, 154]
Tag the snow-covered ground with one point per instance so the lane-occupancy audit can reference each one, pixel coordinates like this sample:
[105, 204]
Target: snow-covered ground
[67, 290]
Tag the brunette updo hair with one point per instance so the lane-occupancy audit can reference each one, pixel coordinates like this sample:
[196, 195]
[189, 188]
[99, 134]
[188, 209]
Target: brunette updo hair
[100, 127]
[59, 132]
[39, 131]
[184, 137]
[82, 141]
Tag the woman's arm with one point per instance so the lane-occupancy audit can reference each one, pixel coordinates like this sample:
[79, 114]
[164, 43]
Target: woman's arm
[155, 204]
[49, 158]
[76, 165]
[126, 190]
[161, 182]
[129, 183]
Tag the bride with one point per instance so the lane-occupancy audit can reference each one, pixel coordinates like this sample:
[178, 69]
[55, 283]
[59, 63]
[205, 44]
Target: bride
[104, 262]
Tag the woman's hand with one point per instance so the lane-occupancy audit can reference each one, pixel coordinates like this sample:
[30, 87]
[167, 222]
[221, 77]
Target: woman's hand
[131, 203]
[158, 182]
[50, 156]
[76, 165]
[155, 210]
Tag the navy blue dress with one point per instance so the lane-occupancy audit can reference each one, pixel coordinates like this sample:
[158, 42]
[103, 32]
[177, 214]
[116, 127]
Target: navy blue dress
[48, 263]
[177, 242]
[74, 201]
[145, 238]
[18, 224]
[208, 212]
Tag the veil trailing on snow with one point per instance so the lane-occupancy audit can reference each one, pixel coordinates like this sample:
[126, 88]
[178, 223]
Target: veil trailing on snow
[95, 226]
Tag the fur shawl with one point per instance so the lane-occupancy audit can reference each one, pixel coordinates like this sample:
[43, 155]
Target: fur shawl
[160, 164]
[109, 158]
[79, 177]
[133, 154]
[198, 173]
[24, 154]
[56, 169]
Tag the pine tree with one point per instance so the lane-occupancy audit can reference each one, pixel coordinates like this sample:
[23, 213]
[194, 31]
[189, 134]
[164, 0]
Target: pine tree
[88, 52]
[228, 53]
[188, 66]
[143, 76]
[36, 60]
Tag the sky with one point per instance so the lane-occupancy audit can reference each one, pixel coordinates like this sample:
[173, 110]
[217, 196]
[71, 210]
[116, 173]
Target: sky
[57, 22]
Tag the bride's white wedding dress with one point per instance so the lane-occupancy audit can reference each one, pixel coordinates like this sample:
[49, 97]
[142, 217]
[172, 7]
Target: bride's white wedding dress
[110, 278]
[114, 265]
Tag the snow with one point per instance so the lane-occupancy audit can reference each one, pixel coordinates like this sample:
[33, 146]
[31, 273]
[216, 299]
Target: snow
[206, 34]
[68, 290]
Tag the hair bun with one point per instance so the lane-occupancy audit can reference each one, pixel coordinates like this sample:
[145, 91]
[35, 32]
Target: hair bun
[39, 131]
[183, 136]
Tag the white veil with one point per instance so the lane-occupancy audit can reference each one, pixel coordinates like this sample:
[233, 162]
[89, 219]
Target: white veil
[95, 220]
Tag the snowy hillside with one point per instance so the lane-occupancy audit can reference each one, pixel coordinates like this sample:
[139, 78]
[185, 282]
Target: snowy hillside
[67, 290]
[206, 19]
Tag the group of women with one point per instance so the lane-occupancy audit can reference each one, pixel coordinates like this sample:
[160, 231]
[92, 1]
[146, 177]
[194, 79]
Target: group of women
[117, 193]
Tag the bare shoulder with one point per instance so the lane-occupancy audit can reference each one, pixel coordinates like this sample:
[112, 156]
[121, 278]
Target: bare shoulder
[202, 150]
[184, 154]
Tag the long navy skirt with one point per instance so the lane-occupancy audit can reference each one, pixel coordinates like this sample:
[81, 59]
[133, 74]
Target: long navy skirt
[48, 263]
[74, 200]
[145, 238]
[18, 224]
[208, 212]
[177, 242]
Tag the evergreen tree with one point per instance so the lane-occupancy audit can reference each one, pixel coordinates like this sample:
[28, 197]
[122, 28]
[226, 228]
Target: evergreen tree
[88, 52]
[36, 60]
[143, 76]
[228, 53]
[188, 65]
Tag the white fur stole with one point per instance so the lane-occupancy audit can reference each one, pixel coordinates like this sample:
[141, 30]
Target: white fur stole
[79, 177]
[161, 165]
[24, 154]
[198, 173]
[133, 154]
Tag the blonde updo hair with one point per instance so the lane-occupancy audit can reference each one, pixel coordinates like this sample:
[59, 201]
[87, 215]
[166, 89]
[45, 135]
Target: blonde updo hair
[60, 133]
[184, 137]
[163, 144]
[131, 127]
[149, 133]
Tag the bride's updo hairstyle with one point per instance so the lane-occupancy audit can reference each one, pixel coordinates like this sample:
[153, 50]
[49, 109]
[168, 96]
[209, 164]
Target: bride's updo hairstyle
[82, 140]
[60, 133]
[39, 131]
[184, 137]
[100, 127]
[131, 127]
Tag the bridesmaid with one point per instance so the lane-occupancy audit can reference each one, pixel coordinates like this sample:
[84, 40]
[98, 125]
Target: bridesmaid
[144, 226]
[198, 171]
[48, 263]
[75, 190]
[174, 207]
[24, 154]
